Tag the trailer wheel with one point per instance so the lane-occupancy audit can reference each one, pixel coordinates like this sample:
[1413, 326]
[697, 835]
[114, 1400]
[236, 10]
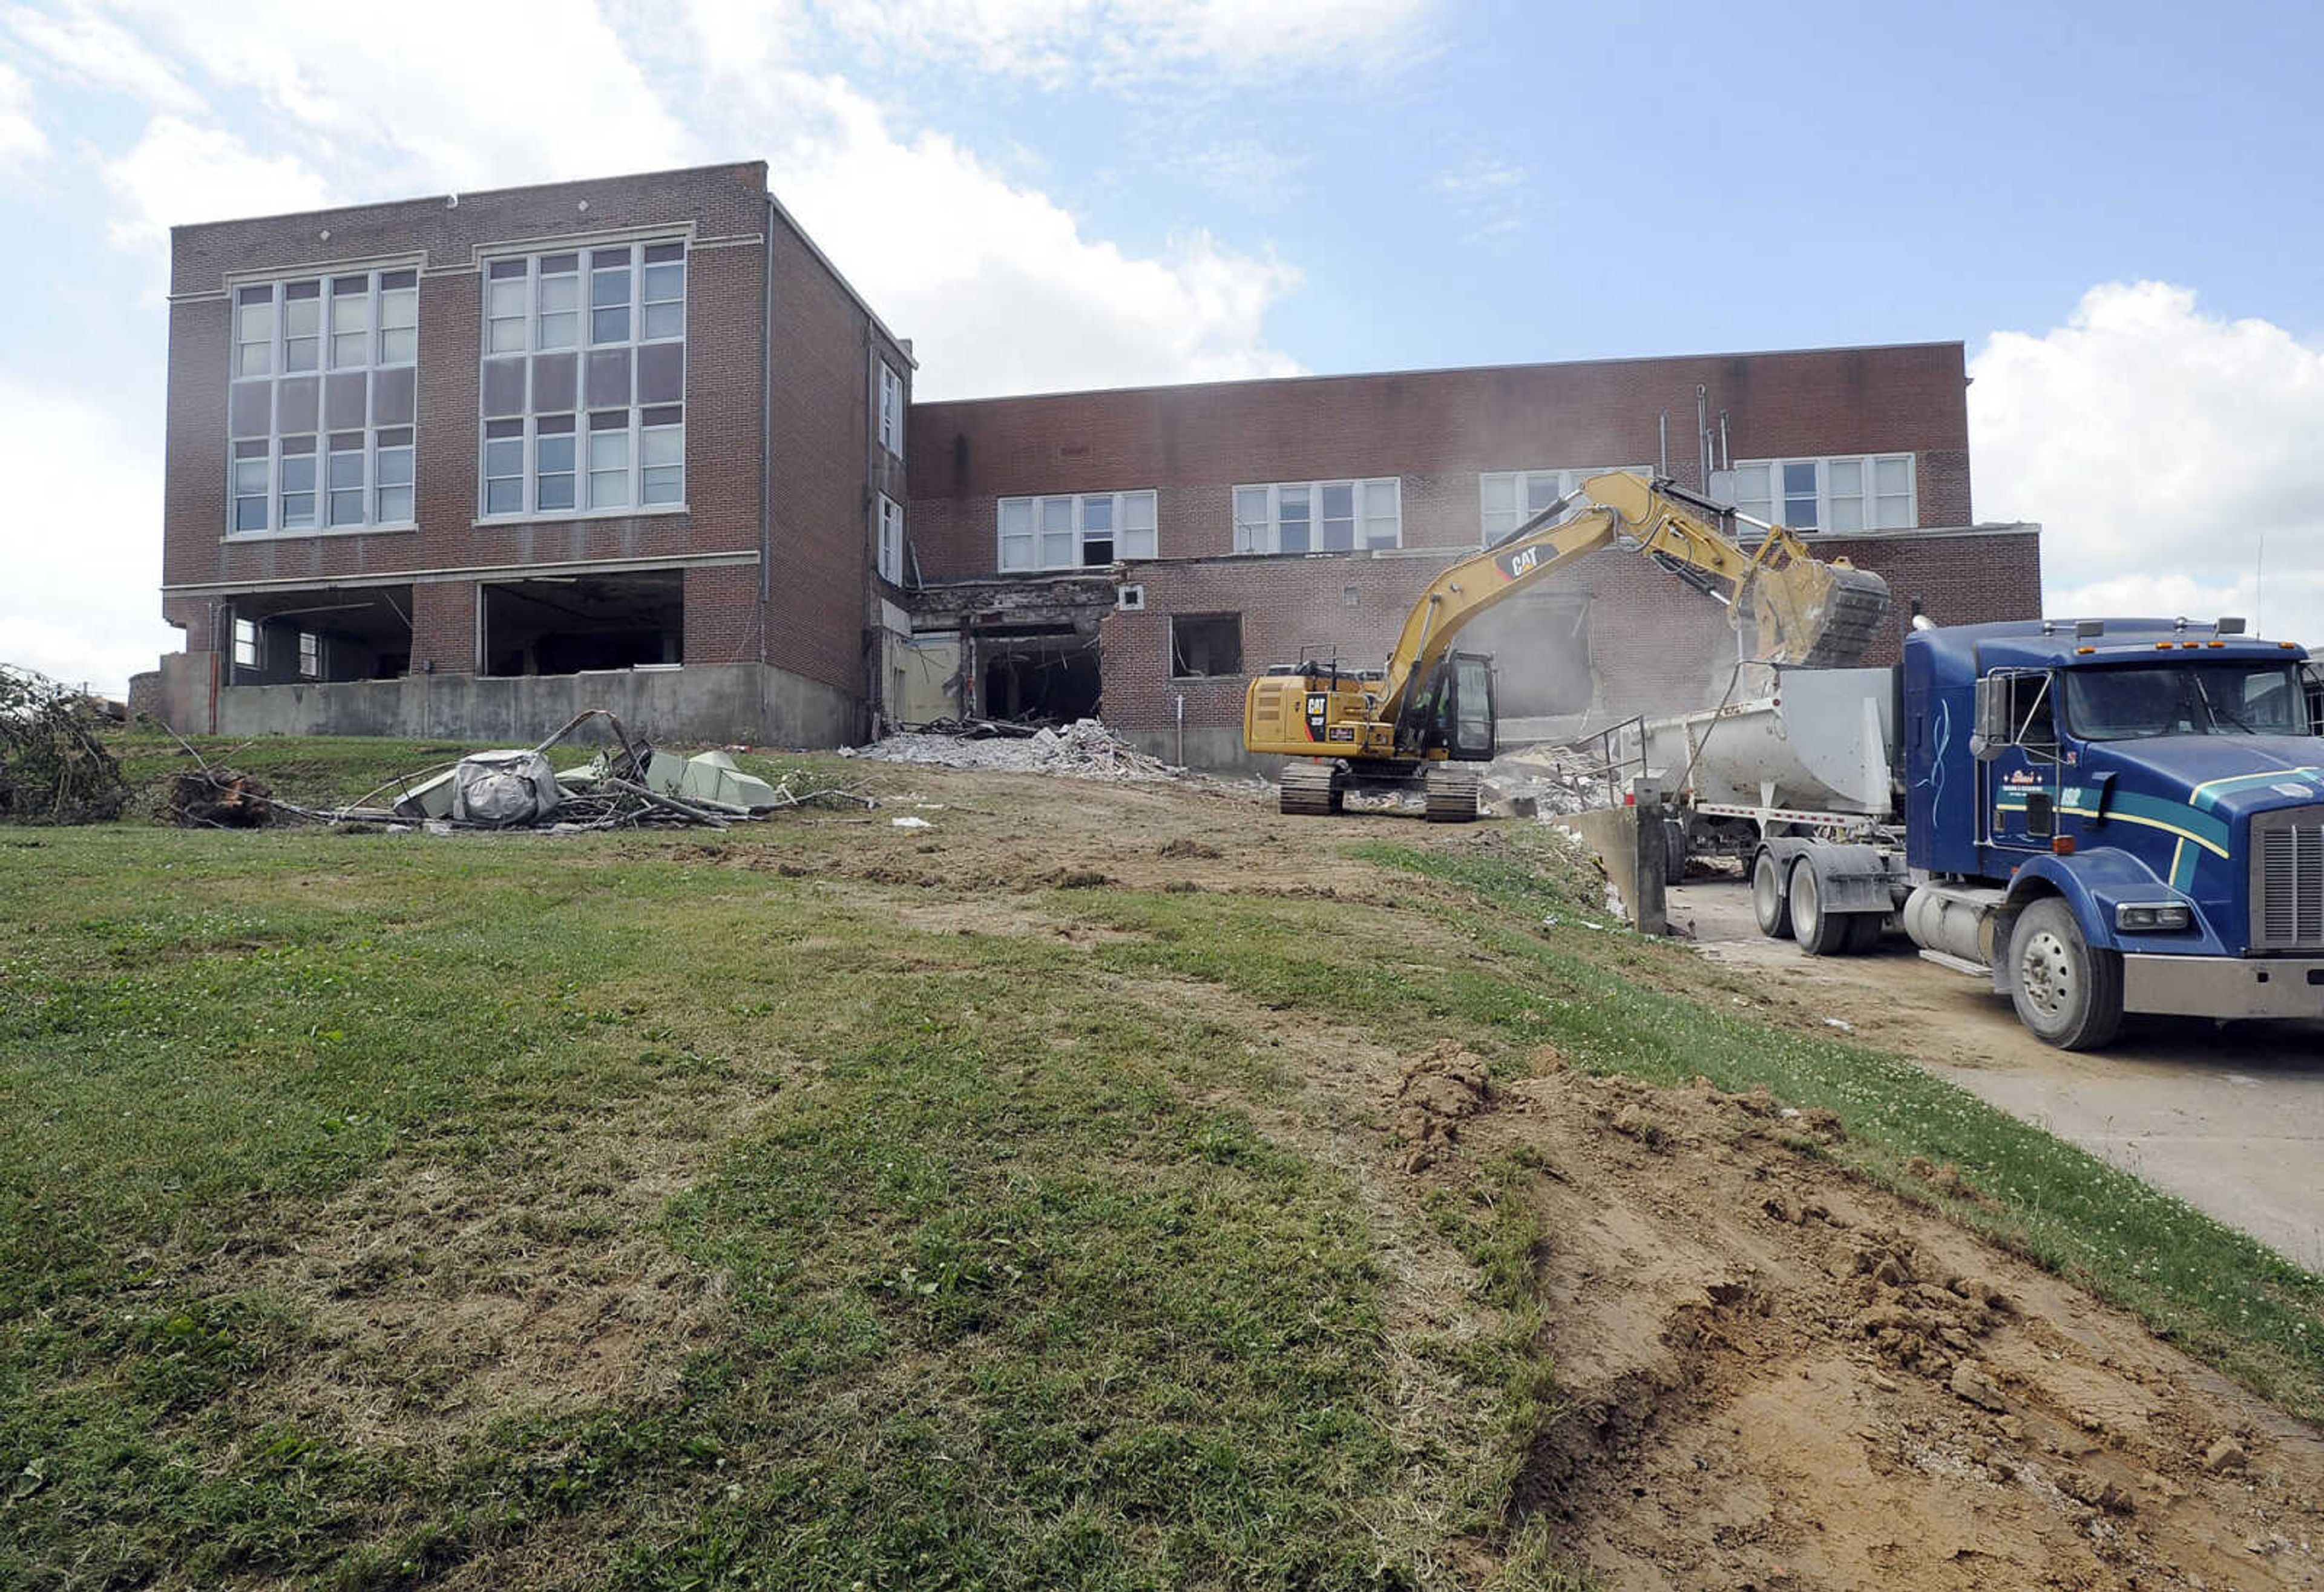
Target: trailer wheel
[2067, 994]
[1770, 903]
[1819, 933]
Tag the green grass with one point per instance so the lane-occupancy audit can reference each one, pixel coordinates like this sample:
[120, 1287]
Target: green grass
[995, 1302]
[943, 1263]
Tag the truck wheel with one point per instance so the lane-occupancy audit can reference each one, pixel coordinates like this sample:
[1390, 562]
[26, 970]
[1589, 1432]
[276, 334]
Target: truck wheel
[1819, 933]
[2067, 994]
[1770, 902]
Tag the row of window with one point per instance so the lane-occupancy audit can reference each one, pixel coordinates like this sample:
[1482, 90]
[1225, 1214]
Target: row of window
[582, 392]
[1094, 529]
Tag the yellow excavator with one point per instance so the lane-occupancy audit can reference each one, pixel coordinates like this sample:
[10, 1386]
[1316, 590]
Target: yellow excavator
[1427, 718]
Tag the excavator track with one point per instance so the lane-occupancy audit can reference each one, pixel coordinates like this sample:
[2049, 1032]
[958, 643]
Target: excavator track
[1854, 613]
[1449, 792]
[1310, 789]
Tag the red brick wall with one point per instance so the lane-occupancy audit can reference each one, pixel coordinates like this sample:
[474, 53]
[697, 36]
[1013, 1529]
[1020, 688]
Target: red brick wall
[726, 293]
[1437, 430]
[827, 463]
[721, 613]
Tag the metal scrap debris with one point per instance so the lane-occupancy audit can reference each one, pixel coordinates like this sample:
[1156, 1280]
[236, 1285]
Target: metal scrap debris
[628, 784]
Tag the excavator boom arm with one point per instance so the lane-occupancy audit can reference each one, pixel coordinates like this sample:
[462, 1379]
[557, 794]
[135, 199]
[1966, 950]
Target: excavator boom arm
[1808, 611]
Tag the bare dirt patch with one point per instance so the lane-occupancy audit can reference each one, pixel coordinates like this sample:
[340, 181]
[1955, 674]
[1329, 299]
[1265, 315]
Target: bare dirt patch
[441, 1296]
[1776, 1375]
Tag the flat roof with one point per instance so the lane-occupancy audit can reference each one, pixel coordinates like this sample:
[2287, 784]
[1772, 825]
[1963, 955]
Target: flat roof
[1357, 375]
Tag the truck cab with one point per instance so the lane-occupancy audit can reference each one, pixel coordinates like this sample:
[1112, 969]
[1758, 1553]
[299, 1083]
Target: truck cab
[2116, 816]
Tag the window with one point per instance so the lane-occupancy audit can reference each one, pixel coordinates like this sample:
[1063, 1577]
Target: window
[891, 411]
[1509, 499]
[584, 404]
[1319, 516]
[247, 652]
[1205, 644]
[891, 540]
[311, 655]
[1088, 531]
[1865, 492]
[320, 402]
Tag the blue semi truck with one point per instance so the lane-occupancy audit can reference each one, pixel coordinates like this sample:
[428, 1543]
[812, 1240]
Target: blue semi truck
[2101, 817]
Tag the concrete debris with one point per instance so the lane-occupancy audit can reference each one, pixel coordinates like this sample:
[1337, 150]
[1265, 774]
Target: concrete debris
[1082, 750]
[1547, 780]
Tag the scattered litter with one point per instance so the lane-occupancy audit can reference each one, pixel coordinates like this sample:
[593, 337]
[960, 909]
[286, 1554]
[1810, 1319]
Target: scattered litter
[1840, 1024]
[908, 822]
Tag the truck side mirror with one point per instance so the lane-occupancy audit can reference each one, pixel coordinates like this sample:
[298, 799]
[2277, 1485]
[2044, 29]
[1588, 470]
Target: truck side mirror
[1991, 733]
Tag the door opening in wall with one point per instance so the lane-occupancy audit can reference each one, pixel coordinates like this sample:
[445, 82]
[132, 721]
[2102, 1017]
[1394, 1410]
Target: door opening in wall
[570, 624]
[1038, 676]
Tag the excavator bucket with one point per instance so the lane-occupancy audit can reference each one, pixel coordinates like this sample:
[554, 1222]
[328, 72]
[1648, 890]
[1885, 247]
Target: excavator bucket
[1839, 622]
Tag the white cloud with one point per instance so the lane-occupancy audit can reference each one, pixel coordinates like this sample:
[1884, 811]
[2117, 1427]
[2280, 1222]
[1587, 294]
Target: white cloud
[71, 606]
[996, 285]
[2159, 446]
[22, 142]
[87, 48]
[1492, 196]
[436, 94]
[1110, 42]
[1242, 170]
[179, 172]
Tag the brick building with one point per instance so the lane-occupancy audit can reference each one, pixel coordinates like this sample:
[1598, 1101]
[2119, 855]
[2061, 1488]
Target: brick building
[461, 466]
[1300, 518]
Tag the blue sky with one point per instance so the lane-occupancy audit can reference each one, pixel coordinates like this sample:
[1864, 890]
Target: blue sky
[2114, 207]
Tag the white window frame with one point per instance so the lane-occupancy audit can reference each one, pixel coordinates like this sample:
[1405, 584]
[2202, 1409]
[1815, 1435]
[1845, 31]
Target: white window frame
[1118, 532]
[636, 426]
[1560, 484]
[891, 409]
[1772, 505]
[249, 637]
[311, 655]
[888, 534]
[1254, 536]
[328, 364]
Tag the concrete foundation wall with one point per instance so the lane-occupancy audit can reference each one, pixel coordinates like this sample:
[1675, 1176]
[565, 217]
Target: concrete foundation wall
[1209, 747]
[717, 703]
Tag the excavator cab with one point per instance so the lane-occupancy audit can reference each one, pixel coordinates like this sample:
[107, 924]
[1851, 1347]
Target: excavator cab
[1455, 713]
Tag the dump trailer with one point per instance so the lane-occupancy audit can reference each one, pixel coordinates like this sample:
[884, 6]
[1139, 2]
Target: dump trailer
[2099, 817]
[1426, 718]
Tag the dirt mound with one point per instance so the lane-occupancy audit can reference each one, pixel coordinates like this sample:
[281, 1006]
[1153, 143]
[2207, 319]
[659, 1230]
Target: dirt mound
[1779, 1377]
[1435, 1095]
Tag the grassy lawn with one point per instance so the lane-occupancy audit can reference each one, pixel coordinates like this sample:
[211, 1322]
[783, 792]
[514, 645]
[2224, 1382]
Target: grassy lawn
[664, 1211]
[942, 1278]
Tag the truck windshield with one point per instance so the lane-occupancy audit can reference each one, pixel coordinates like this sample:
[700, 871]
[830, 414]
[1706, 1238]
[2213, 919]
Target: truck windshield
[2185, 700]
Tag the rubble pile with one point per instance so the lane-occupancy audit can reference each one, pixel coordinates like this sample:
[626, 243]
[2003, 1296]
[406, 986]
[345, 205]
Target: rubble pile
[1548, 781]
[1082, 750]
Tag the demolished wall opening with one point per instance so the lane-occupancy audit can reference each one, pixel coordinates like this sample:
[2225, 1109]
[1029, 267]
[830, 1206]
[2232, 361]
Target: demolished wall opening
[1204, 644]
[565, 624]
[1050, 675]
[319, 636]
[1540, 647]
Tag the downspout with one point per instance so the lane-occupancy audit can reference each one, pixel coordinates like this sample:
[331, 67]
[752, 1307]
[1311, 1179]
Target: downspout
[767, 437]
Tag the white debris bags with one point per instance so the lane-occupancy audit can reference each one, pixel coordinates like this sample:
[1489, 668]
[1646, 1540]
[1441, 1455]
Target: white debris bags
[504, 789]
